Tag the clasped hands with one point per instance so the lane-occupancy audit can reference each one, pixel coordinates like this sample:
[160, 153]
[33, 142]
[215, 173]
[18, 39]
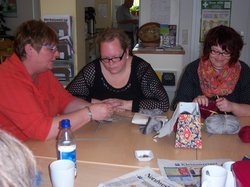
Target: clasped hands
[114, 105]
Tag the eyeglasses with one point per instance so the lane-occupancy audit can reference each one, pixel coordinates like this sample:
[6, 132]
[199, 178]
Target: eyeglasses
[52, 48]
[215, 52]
[114, 59]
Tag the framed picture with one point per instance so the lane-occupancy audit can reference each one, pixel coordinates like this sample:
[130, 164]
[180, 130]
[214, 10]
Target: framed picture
[8, 8]
[214, 13]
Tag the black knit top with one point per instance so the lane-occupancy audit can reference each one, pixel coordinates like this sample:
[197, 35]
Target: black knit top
[189, 87]
[143, 87]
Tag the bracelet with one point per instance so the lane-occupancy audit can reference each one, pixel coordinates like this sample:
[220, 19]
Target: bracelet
[89, 113]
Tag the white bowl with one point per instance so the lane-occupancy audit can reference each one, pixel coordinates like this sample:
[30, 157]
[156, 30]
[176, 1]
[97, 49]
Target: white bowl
[144, 155]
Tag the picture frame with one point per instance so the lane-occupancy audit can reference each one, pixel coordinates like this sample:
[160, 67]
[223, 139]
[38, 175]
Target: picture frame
[214, 13]
[8, 8]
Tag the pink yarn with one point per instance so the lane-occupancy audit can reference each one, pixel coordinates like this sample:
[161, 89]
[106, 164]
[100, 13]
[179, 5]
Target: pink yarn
[244, 134]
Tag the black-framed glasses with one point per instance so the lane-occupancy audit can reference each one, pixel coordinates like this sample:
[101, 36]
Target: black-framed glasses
[215, 52]
[114, 59]
[52, 48]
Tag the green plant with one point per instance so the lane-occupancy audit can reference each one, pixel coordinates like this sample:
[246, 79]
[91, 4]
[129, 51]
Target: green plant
[134, 9]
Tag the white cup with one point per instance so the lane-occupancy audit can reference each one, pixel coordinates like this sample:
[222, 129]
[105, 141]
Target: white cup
[230, 178]
[62, 173]
[213, 176]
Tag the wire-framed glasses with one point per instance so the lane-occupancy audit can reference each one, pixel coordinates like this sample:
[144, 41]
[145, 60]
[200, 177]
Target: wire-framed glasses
[52, 48]
[114, 59]
[216, 52]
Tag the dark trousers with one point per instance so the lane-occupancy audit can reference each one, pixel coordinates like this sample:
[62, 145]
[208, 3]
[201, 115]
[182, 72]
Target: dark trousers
[131, 37]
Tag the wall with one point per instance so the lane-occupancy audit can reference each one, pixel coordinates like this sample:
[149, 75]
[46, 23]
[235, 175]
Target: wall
[185, 28]
[75, 8]
[240, 22]
[88, 3]
[26, 9]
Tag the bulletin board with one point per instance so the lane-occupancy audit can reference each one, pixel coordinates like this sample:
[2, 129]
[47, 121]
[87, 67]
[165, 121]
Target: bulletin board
[214, 13]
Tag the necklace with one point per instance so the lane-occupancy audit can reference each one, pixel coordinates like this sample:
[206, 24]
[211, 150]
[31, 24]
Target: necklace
[217, 68]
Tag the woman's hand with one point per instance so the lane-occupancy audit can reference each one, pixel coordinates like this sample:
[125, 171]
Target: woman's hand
[119, 105]
[101, 111]
[224, 105]
[202, 100]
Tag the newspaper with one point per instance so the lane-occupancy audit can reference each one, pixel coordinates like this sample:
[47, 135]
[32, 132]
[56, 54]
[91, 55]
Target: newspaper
[186, 172]
[144, 177]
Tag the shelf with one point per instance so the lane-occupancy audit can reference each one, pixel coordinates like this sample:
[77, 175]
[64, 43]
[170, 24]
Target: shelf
[138, 49]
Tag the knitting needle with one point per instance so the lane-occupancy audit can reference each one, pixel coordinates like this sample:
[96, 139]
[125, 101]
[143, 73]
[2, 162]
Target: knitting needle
[213, 112]
[218, 98]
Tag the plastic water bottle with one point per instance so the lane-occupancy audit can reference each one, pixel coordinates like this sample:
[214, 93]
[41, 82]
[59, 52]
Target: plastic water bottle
[66, 144]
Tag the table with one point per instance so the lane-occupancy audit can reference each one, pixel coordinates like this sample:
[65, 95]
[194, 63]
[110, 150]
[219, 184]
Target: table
[107, 151]
[88, 174]
[224, 146]
[115, 143]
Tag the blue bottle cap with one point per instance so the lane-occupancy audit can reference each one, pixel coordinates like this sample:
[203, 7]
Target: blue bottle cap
[65, 123]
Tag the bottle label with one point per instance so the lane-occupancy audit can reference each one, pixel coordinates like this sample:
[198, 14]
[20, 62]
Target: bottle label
[67, 153]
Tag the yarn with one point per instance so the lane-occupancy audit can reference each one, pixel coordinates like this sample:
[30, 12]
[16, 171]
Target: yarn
[153, 124]
[209, 110]
[222, 124]
[152, 113]
[244, 134]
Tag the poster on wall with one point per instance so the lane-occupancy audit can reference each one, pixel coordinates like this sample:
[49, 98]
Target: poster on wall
[214, 13]
[160, 11]
[8, 8]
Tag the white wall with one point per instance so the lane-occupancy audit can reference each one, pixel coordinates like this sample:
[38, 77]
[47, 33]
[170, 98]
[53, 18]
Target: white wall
[240, 22]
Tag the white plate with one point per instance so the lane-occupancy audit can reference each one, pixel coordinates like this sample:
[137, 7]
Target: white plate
[144, 155]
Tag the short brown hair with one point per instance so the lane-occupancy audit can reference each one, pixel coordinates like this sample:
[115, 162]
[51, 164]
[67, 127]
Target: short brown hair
[227, 38]
[34, 32]
[110, 34]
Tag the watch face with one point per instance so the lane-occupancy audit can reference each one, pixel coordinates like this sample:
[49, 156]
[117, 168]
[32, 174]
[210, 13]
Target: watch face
[149, 32]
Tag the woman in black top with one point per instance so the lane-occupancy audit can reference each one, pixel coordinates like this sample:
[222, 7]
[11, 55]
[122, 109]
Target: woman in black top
[218, 76]
[118, 77]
